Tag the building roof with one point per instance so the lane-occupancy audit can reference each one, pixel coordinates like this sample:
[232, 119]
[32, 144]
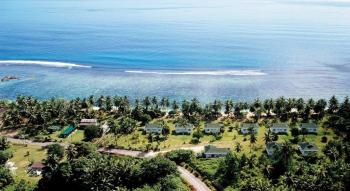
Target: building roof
[188, 126]
[88, 121]
[37, 165]
[153, 125]
[68, 130]
[308, 125]
[249, 125]
[213, 125]
[209, 149]
[280, 125]
[54, 128]
[306, 146]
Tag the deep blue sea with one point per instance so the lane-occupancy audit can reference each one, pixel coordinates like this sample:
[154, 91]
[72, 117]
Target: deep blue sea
[209, 49]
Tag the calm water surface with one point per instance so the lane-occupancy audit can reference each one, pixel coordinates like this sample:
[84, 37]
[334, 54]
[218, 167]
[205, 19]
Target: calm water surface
[240, 49]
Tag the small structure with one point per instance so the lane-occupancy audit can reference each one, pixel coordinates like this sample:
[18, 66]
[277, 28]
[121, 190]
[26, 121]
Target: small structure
[95, 108]
[307, 148]
[211, 151]
[66, 132]
[309, 127]
[153, 128]
[105, 128]
[185, 129]
[88, 122]
[247, 127]
[279, 128]
[36, 168]
[54, 128]
[213, 128]
[271, 148]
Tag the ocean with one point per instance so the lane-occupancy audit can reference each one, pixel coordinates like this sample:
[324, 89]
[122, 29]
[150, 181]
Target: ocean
[224, 49]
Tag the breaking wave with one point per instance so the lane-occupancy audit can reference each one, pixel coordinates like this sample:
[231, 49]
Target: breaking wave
[209, 73]
[43, 63]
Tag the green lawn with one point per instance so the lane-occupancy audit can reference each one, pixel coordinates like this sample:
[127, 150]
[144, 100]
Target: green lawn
[76, 136]
[137, 140]
[23, 156]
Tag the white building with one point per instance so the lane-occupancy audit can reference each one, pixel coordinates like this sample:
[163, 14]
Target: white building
[185, 129]
[279, 128]
[309, 127]
[213, 128]
[153, 128]
[88, 122]
[307, 148]
[247, 127]
[211, 151]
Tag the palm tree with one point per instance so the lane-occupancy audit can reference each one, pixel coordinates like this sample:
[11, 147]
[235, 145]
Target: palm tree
[228, 106]
[333, 105]
[238, 147]
[268, 136]
[268, 105]
[287, 153]
[252, 140]
[146, 103]
[175, 106]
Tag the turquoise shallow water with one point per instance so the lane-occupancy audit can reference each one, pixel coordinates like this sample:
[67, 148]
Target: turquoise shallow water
[180, 49]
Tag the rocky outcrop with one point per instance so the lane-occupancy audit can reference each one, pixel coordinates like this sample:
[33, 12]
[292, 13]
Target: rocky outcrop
[8, 78]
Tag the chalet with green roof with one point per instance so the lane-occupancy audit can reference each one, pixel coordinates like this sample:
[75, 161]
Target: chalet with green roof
[211, 151]
[154, 128]
[279, 128]
[307, 148]
[309, 127]
[246, 128]
[271, 148]
[68, 131]
[213, 128]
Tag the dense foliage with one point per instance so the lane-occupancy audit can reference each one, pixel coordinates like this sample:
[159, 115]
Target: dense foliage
[86, 169]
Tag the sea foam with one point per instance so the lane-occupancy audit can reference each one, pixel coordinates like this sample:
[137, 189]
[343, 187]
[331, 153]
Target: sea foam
[209, 73]
[43, 63]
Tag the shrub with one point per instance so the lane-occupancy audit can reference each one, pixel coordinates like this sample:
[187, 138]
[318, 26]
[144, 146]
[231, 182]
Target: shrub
[180, 156]
[92, 132]
[195, 140]
[324, 139]
[56, 149]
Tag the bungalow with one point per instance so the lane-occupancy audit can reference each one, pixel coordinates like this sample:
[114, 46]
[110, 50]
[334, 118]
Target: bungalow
[36, 168]
[279, 128]
[153, 128]
[185, 129]
[271, 148]
[69, 130]
[211, 151]
[88, 122]
[307, 148]
[213, 128]
[309, 127]
[247, 127]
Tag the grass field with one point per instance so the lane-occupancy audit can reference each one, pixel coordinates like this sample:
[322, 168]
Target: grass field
[23, 156]
[76, 136]
[138, 140]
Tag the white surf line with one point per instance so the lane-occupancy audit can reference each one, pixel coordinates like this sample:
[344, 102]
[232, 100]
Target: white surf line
[210, 73]
[43, 63]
